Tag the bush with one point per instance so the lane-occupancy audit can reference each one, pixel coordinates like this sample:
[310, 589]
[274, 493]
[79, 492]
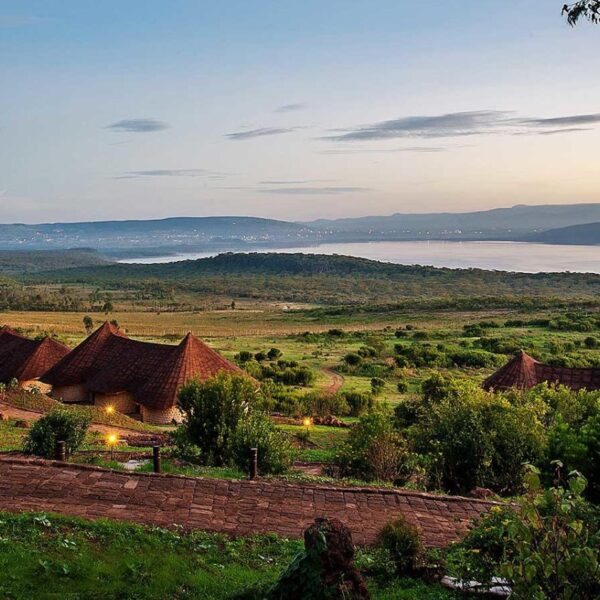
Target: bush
[274, 353]
[548, 547]
[352, 359]
[58, 426]
[243, 357]
[212, 411]
[591, 342]
[275, 452]
[402, 386]
[403, 543]
[373, 449]
[323, 404]
[358, 403]
[377, 385]
[478, 438]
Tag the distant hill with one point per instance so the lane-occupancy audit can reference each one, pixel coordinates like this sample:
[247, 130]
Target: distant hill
[170, 235]
[328, 279]
[575, 234]
[137, 238]
[506, 223]
[14, 262]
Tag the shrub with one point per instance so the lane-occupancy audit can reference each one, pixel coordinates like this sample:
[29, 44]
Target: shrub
[352, 359]
[479, 439]
[274, 353]
[243, 356]
[58, 426]
[260, 357]
[358, 403]
[549, 547]
[212, 412]
[403, 542]
[377, 385]
[275, 452]
[323, 404]
[402, 386]
[591, 342]
[361, 454]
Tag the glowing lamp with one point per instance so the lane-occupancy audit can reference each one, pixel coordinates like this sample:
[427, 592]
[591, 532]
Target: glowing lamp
[307, 421]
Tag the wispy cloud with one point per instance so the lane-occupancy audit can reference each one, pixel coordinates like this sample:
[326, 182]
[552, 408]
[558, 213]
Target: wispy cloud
[260, 132]
[417, 149]
[314, 191]
[138, 125]
[447, 125]
[170, 173]
[568, 121]
[294, 181]
[567, 130]
[291, 107]
[462, 124]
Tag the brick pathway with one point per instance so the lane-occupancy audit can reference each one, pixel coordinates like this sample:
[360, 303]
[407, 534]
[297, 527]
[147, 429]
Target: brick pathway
[234, 507]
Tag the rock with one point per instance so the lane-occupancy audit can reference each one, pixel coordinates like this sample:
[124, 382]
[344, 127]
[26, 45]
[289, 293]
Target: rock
[325, 569]
[481, 493]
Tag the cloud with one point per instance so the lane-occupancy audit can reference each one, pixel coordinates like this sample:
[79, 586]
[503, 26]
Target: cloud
[294, 181]
[166, 173]
[138, 125]
[447, 125]
[568, 121]
[311, 191]
[418, 149]
[458, 124]
[291, 107]
[260, 132]
[568, 130]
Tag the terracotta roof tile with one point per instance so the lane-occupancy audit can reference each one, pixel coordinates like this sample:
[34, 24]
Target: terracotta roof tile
[109, 362]
[25, 359]
[523, 372]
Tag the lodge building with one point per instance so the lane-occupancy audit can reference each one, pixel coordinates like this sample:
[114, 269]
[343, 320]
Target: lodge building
[524, 372]
[136, 378]
[25, 360]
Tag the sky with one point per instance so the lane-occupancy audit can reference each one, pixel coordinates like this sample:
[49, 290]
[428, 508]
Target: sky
[293, 110]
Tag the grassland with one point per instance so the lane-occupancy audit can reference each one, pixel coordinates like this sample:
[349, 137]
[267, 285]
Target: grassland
[45, 557]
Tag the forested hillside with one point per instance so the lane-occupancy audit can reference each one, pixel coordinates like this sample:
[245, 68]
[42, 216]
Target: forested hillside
[324, 279]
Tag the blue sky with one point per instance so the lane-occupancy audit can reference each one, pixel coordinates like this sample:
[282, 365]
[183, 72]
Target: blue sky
[293, 110]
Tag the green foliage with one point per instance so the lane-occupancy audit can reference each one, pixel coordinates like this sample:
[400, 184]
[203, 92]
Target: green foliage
[373, 450]
[476, 438]
[402, 541]
[548, 547]
[358, 402]
[582, 9]
[275, 452]
[377, 385]
[324, 404]
[57, 426]
[213, 410]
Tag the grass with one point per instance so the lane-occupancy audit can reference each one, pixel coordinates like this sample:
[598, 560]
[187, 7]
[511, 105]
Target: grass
[11, 437]
[46, 557]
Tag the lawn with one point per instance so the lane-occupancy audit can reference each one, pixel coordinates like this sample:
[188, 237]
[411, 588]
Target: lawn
[47, 557]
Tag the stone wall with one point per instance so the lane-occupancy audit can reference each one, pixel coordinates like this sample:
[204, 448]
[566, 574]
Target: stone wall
[71, 393]
[161, 416]
[123, 402]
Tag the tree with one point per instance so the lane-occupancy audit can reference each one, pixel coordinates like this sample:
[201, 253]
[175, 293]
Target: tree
[88, 323]
[107, 307]
[212, 411]
[583, 9]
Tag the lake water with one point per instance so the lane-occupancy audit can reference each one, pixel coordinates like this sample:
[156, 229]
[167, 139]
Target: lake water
[501, 256]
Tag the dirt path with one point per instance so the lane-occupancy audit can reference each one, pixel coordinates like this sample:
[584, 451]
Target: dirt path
[336, 381]
[227, 506]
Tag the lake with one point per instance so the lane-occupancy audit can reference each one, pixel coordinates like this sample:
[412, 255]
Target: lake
[502, 256]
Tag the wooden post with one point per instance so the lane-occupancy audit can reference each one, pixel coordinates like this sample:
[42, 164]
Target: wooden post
[156, 458]
[60, 452]
[253, 462]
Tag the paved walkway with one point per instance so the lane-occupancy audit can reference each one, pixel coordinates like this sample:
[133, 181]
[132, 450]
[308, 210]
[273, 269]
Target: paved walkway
[233, 507]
